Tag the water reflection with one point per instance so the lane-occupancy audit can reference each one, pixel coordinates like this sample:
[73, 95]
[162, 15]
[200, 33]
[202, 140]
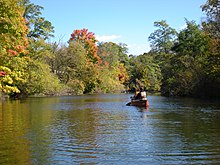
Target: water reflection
[102, 129]
[13, 129]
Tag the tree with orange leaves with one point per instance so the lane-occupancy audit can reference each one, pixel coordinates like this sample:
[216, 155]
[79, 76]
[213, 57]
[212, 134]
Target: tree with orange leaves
[89, 41]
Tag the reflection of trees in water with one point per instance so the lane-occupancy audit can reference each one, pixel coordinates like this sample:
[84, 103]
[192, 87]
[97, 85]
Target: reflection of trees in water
[14, 146]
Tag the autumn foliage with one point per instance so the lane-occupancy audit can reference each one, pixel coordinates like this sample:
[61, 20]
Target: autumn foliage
[13, 43]
[89, 41]
[13, 28]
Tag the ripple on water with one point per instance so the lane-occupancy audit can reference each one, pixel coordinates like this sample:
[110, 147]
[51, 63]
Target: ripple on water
[100, 129]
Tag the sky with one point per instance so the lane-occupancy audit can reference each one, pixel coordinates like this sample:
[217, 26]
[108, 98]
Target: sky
[121, 21]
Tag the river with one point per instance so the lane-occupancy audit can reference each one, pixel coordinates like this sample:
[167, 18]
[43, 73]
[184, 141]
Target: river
[101, 129]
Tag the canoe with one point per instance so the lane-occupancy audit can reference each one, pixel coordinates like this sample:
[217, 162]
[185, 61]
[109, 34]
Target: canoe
[140, 103]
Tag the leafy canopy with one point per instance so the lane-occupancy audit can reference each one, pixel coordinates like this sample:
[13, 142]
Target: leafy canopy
[89, 43]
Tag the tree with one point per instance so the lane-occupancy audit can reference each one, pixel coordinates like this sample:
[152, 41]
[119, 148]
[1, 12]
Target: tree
[89, 43]
[75, 70]
[162, 39]
[39, 27]
[109, 53]
[185, 72]
[113, 53]
[212, 27]
[41, 53]
[114, 57]
[191, 41]
[40, 76]
[70, 62]
[13, 41]
[40, 79]
[89, 73]
[108, 80]
[212, 22]
[144, 72]
[123, 50]
[12, 27]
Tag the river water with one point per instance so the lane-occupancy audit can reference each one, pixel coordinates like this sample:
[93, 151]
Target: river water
[101, 129]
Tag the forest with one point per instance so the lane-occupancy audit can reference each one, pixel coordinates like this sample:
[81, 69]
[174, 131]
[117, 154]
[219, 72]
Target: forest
[180, 63]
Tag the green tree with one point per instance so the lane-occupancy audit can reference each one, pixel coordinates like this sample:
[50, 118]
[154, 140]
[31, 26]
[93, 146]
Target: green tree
[123, 50]
[144, 72]
[162, 39]
[191, 41]
[108, 80]
[211, 26]
[70, 61]
[212, 22]
[41, 80]
[42, 51]
[113, 53]
[115, 58]
[75, 70]
[185, 72]
[40, 76]
[109, 53]
[38, 25]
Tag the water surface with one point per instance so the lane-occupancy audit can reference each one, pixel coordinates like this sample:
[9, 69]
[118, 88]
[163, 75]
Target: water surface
[101, 129]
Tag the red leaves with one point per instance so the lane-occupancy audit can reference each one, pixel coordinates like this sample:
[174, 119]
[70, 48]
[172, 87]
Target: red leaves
[2, 73]
[89, 41]
[20, 48]
[82, 35]
[12, 52]
[16, 50]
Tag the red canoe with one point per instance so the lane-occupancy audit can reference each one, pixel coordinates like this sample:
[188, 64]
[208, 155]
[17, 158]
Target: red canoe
[140, 103]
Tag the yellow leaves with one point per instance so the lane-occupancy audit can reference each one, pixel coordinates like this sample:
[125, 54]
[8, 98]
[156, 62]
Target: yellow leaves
[5, 69]
[10, 89]
[8, 81]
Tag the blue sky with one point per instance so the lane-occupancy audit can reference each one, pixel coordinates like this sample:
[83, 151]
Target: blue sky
[120, 21]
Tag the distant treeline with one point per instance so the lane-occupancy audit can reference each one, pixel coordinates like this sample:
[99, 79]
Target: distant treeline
[180, 63]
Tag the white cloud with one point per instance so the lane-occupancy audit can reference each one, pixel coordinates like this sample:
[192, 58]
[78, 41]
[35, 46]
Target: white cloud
[106, 38]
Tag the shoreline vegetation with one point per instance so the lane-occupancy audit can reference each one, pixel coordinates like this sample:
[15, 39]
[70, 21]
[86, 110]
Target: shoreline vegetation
[183, 63]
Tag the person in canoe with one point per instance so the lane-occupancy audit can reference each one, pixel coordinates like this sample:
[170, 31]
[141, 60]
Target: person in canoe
[139, 99]
[140, 95]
